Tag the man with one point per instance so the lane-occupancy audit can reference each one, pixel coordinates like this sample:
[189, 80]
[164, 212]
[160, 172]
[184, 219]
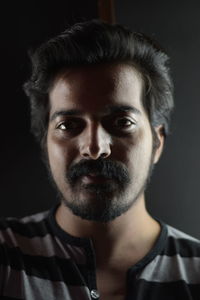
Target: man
[101, 99]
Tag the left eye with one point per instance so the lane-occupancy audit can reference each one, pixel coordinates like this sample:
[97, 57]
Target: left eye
[124, 123]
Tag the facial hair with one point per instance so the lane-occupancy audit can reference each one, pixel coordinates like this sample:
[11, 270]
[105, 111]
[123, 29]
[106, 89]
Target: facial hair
[105, 201]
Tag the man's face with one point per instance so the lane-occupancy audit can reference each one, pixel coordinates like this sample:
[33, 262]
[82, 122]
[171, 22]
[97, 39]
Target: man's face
[99, 140]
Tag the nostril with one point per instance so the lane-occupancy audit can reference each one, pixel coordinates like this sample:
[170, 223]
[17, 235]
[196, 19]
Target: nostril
[103, 155]
[85, 154]
[94, 155]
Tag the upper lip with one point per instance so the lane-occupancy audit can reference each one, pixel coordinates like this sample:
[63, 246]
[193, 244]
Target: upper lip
[94, 175]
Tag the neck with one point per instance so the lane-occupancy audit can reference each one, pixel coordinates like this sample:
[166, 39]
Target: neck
[134, 233]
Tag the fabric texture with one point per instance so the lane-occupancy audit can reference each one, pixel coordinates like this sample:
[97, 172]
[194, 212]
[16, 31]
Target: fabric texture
[38, 260]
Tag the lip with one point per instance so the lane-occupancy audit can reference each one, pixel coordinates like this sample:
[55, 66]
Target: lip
[94, 179]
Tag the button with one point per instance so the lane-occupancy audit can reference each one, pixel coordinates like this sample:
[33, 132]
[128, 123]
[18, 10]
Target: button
[94, 294]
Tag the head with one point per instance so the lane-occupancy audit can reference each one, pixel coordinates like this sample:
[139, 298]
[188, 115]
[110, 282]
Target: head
[107, 62]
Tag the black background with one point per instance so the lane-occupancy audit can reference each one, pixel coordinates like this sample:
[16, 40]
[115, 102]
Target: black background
[174, 193]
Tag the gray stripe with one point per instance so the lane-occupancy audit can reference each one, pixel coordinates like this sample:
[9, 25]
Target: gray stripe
[35, 218]
[173, 232]
[32, 218]
[173, 268]
[44, 246]
[29, 287]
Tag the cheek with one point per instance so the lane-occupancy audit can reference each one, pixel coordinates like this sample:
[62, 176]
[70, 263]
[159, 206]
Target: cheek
[137, 154]
[133, 149]
[58, 155]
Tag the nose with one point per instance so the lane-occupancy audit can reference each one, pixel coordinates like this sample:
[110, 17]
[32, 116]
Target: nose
[95, 142]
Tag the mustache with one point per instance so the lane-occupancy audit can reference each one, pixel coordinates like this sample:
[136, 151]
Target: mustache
[107, 168]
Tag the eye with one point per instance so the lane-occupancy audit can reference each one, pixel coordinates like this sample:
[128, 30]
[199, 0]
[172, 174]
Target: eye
[70, 125]
[124, 123]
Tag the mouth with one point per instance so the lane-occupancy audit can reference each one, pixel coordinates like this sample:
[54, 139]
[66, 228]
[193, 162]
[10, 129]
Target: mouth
[94, 179]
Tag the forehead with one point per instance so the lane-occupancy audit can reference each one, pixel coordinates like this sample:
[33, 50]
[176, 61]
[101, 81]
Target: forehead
[94, 88]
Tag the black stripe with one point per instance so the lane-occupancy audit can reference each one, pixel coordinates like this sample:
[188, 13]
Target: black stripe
[10, 298]
[40, 229]
[144, 290]
[29, 229]
[186, 248]
[52, 268]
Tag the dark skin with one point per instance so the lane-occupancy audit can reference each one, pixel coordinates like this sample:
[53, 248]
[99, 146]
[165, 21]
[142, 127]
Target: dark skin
[85, 134]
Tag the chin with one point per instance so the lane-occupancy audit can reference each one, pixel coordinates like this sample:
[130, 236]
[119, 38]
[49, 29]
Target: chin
[98, 210]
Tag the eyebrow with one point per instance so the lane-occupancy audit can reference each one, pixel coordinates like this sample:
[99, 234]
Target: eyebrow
[122, 108]
[109, 109]
[70, 112]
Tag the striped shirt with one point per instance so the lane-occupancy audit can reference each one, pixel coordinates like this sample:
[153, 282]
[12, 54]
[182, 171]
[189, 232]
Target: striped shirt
[39, 261]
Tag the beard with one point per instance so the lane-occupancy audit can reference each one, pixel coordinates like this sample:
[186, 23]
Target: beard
[105, 201]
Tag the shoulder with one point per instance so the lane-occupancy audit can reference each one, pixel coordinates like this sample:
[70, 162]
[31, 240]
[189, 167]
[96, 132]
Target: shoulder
[180, 258]
[182, 244]
[14, 232]
[174, 232]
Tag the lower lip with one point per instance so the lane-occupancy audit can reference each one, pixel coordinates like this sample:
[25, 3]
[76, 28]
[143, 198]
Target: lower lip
[94, 179]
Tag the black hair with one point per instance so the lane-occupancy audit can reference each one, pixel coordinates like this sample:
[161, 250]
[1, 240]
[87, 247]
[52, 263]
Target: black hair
[95, 42]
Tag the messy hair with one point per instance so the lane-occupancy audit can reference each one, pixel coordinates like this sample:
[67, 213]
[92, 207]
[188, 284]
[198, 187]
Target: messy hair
[92, 43]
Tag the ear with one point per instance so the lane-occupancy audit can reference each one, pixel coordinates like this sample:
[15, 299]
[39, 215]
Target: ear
[160, 144]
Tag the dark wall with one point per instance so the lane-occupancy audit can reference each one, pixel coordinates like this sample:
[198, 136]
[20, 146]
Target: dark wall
[175, 189]
[174, 194]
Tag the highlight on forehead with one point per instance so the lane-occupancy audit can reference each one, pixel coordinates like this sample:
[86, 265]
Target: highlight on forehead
[105, 78]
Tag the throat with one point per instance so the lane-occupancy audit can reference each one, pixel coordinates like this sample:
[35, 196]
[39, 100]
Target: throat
[111, 284]
[114, 261]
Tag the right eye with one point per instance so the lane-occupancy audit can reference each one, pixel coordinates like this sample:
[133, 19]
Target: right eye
[70, 125]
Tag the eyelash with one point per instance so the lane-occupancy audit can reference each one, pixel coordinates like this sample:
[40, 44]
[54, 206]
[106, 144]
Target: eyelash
[69, 125]
[131, 122]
